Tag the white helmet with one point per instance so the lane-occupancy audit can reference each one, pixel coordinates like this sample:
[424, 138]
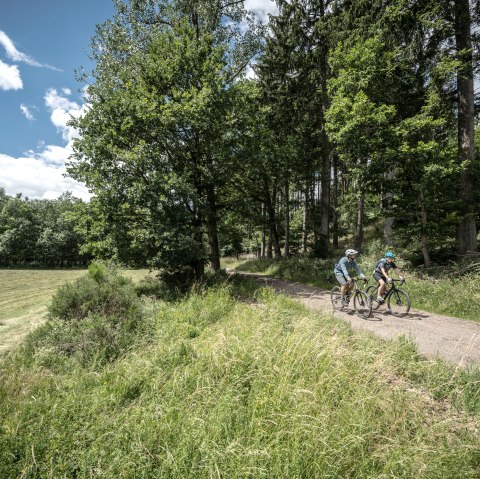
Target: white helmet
[350, 252]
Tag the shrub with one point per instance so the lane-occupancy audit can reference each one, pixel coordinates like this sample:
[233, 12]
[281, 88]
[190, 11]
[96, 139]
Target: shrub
[103, 291]
[93, 320]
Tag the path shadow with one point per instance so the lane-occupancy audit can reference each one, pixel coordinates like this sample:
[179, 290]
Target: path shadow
[412, 315]
[416, 315]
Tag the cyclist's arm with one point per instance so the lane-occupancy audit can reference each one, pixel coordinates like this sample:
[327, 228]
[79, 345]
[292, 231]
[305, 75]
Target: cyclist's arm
[358, 270]
[399, 273]
[344, 270]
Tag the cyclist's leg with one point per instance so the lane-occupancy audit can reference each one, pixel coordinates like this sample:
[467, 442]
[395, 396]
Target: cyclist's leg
[381, 286]
[344, 286]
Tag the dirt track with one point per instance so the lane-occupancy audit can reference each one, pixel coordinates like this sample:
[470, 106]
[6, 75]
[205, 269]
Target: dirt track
[457, 341]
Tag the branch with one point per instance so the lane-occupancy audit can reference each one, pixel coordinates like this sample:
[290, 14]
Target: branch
[159, 21]
[231, 4]
[239, 70]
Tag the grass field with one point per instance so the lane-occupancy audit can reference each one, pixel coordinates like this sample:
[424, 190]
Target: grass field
[25, 295]
[234, 382]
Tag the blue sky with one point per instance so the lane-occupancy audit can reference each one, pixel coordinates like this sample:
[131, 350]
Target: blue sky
[42, 43]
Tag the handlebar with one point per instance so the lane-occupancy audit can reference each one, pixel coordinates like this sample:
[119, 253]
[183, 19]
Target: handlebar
[365, 280]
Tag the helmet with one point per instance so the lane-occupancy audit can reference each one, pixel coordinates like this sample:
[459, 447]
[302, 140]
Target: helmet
[390, 254]
[350, 251]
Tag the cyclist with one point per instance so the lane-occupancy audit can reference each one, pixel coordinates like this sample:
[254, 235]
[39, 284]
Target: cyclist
[381, 273]
[342, 269]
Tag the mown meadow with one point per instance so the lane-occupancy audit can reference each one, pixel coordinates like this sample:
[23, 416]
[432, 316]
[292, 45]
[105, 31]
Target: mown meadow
[227, 380]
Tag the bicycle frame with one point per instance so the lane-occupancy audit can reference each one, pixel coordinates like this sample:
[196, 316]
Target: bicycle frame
[397, 300]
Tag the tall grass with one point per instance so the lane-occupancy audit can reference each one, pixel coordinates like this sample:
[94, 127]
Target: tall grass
[240, 385]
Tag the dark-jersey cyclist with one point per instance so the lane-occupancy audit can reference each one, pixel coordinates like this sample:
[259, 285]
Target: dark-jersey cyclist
[342, 272]
[381, 273]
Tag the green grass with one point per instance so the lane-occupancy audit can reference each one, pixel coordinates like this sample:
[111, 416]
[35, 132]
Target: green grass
[446, 295]
[238, 383]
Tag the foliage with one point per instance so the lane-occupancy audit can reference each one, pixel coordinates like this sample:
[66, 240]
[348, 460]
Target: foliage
[40, 232]
[102, 291]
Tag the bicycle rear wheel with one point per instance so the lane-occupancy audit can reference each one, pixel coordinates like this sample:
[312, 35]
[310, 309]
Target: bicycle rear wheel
[362, 304]
[399, 303]
[336, 298]
[372, 293]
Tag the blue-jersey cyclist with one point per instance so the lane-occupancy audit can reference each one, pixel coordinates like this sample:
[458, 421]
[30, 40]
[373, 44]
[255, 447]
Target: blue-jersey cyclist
[342, 272]
[381, 273]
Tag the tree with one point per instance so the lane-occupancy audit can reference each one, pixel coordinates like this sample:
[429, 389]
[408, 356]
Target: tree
[466, 228]
[154, 143]
[293, 72]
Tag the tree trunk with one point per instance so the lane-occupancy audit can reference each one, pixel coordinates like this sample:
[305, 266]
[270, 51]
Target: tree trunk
[305, 222]
[272, 224]
[360, 221]
[287, 219]
[335, 202]
[323, 247]
[387, 199]
[466, 228]
[423, 231]
[263, 247]
[212, 229]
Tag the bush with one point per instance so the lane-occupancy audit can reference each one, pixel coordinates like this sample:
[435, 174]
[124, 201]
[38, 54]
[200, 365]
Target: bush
[103, 291]
[93, 320]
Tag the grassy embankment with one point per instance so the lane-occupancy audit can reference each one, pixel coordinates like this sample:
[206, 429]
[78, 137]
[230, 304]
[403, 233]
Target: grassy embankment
[25, 294]
[442, 292]
[229, 382]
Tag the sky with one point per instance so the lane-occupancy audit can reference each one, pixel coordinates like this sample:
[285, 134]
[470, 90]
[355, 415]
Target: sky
[42, 44]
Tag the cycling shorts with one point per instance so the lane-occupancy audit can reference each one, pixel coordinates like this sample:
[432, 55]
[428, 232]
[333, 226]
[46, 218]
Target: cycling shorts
[378, 277]
[341, 279]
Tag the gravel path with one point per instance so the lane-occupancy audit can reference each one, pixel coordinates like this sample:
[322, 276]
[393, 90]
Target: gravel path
[457, 341]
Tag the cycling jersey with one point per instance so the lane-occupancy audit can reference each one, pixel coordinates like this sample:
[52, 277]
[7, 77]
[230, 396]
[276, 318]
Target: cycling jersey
[386, 265]
[345, 265]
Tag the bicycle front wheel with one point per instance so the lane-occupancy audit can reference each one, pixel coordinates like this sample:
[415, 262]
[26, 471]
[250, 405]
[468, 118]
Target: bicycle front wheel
[399, 303]
[372, 293]
[336, 298]
[362, 304]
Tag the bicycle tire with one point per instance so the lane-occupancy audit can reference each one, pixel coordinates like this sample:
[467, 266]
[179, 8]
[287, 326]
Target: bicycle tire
[362, 304]
[372, 293]
[336, 298]
[399, 303]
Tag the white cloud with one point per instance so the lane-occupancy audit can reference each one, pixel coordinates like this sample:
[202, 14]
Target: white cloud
[52, 154]
[35, 178]
[250, 73]
[261, 8]
[41, 174]
[67, 91]
[61, 110]
[18, 56]
[26, 111]
[10, 77]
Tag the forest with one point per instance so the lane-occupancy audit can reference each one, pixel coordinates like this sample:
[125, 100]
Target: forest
[209, 133]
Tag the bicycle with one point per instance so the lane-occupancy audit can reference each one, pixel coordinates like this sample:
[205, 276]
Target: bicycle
[396, 299]
[361, 300]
